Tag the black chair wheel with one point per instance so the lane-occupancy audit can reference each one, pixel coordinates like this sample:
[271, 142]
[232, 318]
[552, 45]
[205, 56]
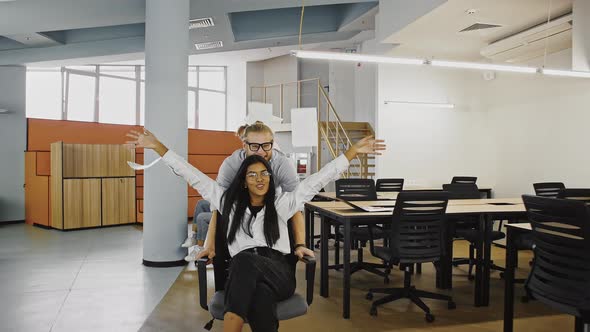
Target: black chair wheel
[373, 311]
[524, 299]
[369, 296]
[386, 280]
[429, 318]
[317, 246]
[470, 277]
[451, 305]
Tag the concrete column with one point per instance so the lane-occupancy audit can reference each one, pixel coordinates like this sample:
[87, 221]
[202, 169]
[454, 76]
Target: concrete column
[165, 195]
[581, 36]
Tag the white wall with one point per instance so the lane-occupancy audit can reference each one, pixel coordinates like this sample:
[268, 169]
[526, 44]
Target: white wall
[342, 88]
[12, 143]
[510, 132]
[427, 146]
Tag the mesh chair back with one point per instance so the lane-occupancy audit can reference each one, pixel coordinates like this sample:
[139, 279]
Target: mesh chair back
[418, 222]
[561, 270]
[548, 189]
[464, 179]
[462, 190]
[578, 194]
[394, 185]
[356, 189]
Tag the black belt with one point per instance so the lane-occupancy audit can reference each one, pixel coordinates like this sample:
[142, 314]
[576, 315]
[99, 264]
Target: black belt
[264, 251]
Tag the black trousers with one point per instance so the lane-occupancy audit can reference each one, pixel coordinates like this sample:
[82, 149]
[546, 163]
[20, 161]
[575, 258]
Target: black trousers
[258, 279]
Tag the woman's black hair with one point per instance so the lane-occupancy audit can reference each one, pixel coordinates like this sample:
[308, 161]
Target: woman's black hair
[237, 198]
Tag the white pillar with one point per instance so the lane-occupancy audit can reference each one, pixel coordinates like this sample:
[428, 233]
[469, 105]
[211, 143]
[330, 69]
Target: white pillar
[581, 36]
[165, 195]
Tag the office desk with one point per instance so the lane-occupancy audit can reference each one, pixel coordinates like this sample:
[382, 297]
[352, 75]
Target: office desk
[346, 217]
[513, 232]
[393, 194]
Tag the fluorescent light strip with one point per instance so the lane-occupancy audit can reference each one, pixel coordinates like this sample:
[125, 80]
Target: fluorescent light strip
[420, 104]
[483, 66]
[568, 73]
[356, 57]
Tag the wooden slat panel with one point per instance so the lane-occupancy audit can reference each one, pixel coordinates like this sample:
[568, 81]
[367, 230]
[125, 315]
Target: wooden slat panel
[118, 205]
[56, 185]
[82, 203]
[97, 160]
[36, 192]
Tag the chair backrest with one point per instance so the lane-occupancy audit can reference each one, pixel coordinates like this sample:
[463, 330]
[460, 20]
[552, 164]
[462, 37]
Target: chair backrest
[548, 189]
[561, 269]
[356, 189]
[462, 190]
[418, 223]
[464, 179]
[394, 185]
[578, 194]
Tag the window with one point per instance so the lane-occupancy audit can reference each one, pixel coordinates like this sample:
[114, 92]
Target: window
[116, 94]
[44, 93]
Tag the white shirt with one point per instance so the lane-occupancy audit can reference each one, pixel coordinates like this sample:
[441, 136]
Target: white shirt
[286, 203]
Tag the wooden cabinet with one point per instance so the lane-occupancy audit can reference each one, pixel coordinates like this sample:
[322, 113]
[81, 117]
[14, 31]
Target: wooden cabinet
[118, 201]
[91, 185]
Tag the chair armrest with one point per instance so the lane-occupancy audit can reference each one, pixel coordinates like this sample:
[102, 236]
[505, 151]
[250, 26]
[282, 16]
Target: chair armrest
[202, 274]
[310, 264]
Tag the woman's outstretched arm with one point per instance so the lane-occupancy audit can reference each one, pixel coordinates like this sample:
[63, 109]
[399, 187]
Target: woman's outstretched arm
[206, 186]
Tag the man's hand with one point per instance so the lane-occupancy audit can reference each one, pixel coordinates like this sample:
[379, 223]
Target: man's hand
[303, 251]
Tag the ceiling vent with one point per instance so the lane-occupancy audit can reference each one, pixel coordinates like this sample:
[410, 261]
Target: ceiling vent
[209, 45]
[480, 26]
[201, 23]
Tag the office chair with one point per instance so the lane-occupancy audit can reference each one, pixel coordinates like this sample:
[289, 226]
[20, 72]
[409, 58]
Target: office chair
[578, 194]
[293, 307]
[548, 189]
[560, 274]
[390, 185]
[416, 236]
[464, 179]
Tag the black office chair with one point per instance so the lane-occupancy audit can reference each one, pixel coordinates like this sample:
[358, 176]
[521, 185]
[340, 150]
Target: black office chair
[390, 185]
[465, 227]
[464, 179]
[578, 194]
[359, 190]
[548, 189]
[293, 307]
[416, 236]
[560, 274]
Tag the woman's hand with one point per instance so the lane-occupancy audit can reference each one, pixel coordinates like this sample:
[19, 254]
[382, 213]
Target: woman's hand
[207, 252]
[303, 251]
[146, 140]
[367, 145]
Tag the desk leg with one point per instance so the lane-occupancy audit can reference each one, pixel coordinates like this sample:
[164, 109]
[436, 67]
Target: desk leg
[308, 228]
[446, 264]
[325, 228]
[487, 259]
[346, 272]
[478, 261]
[511, 259]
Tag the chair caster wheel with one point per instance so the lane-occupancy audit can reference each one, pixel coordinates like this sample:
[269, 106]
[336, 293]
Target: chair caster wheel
[369, 296]
[429, 318]
[386, 280]
[451, 305]
[470, 277]
[373, 311]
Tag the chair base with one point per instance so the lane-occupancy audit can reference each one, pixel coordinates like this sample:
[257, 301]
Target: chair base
[409, 292]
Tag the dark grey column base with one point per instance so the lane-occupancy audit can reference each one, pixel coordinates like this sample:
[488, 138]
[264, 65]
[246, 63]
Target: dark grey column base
[181, 262]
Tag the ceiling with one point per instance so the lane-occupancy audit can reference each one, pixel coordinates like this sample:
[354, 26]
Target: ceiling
[437, 34]
[41, 30]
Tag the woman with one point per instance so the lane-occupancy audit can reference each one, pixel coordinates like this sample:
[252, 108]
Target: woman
[255, 221]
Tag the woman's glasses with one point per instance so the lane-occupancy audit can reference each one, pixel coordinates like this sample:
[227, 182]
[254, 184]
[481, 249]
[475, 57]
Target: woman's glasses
[256, 146]
[253, 176]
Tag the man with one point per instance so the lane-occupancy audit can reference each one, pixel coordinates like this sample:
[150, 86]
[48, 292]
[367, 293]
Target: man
[258, 140]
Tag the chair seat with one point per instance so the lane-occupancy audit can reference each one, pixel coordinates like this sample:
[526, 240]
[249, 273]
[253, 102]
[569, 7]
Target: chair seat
[290, 308]
[472, 234]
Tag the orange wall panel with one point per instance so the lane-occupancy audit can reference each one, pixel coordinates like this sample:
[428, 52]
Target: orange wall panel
[206, 163]
[43, 163]
[36, 193]
[212, 142]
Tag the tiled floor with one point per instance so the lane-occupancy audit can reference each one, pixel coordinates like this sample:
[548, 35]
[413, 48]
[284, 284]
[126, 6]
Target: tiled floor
[90, 280]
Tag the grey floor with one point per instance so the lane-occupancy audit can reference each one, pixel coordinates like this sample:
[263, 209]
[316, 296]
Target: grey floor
[90, 280]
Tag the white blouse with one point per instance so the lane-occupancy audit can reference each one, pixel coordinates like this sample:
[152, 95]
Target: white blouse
[286, 203]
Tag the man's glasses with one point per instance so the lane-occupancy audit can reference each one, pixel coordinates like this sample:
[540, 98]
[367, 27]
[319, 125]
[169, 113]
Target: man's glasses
[253, 176]
[256, 146]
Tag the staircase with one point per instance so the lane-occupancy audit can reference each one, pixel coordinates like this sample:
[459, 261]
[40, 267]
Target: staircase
[335, 136]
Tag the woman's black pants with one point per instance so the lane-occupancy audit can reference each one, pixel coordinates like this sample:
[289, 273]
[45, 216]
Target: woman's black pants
[258, 279]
